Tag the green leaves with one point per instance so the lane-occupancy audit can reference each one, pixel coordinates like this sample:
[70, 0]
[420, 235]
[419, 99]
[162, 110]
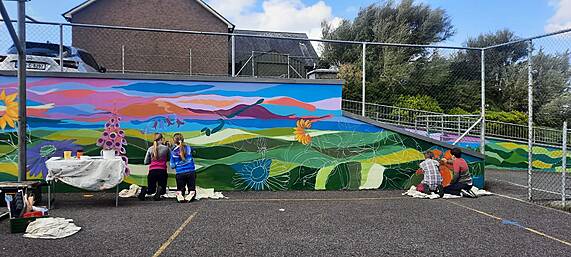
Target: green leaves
[345, 176]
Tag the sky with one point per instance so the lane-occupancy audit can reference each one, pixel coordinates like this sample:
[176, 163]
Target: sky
[469, 17]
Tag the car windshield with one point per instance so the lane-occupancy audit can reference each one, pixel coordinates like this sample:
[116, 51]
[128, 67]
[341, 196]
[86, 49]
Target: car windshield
[41, 49]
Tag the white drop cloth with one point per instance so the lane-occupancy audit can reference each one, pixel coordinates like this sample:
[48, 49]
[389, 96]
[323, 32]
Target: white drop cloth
[412, 192]
[51, 228]
[88, 174]
[201, 193]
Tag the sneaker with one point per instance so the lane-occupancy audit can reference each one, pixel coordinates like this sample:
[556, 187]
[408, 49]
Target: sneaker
[157, 196]
[467, 193]
[179, 197]
[190, 196]
[440, 191]
[142, 194]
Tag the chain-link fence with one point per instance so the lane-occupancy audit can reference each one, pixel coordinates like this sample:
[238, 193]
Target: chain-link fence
[527, 83]
[93, 48]
[551, 74]
[427, 89]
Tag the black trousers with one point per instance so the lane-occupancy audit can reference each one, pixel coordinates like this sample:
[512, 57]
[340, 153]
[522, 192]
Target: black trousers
[157, 177]
[188, 180]
[454, 189]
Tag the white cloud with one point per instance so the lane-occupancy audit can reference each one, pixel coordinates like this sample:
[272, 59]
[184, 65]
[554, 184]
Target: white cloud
[277, 15]
[562, 17]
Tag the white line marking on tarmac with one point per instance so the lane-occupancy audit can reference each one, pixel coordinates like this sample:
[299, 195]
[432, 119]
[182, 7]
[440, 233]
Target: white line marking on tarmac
[173, 236]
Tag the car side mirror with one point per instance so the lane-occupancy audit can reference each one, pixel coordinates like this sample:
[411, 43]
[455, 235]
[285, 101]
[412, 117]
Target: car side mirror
[102, 69]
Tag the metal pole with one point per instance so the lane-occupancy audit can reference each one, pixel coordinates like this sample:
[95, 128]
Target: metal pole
[529, 118]
[61, 47]
[483, 102]
[22, 124]
[564, 162]
[363, 78]
[288, 66]
[190, 61]
[233, 39]
[123, 58]
[459, 126]
[253, 64]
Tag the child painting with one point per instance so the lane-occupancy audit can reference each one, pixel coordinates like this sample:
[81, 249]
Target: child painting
[181, 160]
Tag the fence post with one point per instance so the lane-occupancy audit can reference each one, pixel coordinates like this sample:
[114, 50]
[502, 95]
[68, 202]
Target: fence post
[22, 118]
[253, 64]
[288, 66]
[233, 39]
[122, 58]
[459, 128]
[483, 102]
[363, 78]
[190, 61]
[564, 162]
[529, 118]
[442, 125]
[61, 47]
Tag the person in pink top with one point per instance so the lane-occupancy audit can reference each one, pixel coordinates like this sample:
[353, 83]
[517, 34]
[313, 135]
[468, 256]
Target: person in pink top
[461, 183]
[157, 158]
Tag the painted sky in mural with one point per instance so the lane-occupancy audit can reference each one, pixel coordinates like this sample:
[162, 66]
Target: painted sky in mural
[247, 136]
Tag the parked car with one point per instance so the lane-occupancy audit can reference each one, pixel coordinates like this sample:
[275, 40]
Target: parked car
[45, 57]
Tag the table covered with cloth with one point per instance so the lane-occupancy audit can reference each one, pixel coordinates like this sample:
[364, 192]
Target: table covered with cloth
[93, 174]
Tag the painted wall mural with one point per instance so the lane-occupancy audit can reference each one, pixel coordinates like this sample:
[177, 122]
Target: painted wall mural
[509, 155]
[513, 155]
[246, 136]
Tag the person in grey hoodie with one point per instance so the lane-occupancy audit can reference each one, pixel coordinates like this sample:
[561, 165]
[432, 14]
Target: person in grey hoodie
[157, 157]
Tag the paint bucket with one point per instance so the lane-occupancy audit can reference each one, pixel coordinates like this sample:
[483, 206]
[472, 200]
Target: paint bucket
[66, 155]
[108, 154]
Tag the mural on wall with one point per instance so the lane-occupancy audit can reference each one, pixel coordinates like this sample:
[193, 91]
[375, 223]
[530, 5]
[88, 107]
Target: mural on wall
[513, 155]
[506, 154]
[246, 136]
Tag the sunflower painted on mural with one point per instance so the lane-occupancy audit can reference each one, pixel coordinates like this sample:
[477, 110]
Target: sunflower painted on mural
[8, 110]
[300, 134]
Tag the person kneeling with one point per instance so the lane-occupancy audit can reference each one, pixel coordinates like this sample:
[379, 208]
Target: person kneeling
[183, 163]
[461, 180]
[157, 157]
[432, 181]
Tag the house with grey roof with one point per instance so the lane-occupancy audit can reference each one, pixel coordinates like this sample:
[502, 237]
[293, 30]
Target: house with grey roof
[269, 57]
[162, 52]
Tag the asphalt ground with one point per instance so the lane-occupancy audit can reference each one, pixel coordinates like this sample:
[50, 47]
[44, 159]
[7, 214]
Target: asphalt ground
[546, 185]
[340, 223]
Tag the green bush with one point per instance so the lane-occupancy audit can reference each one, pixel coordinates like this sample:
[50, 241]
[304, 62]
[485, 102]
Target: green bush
[458, 111]
[419, 102]
[509, 117]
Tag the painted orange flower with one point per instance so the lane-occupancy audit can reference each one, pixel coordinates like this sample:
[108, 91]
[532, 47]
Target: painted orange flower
[8, 110]
[299, 131]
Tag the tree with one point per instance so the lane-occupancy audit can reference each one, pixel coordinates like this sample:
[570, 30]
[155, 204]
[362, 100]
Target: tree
[389, 69]
[555, 112]
[497, 63]
[419, 102]
[507, 77]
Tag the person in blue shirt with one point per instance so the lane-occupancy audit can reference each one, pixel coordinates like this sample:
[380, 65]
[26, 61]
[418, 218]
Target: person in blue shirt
[181, 160]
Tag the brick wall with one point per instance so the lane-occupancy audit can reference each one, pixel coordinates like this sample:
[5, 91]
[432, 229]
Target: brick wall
[152, 51]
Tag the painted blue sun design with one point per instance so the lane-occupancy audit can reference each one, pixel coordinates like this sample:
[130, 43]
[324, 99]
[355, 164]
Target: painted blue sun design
[254, 175]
